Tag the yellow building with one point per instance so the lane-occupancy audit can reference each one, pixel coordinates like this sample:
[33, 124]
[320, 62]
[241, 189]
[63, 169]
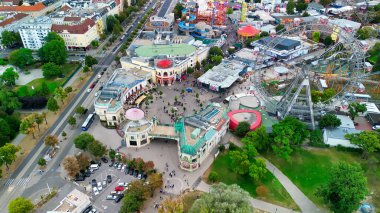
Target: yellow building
[77, 36]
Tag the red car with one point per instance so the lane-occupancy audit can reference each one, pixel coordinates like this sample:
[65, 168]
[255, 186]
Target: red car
[119, 188]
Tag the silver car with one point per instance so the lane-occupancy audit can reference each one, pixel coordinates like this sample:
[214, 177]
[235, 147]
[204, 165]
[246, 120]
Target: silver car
[119, 166]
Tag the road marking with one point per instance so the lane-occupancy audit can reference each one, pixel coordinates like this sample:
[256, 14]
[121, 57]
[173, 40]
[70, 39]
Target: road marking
[9, 182]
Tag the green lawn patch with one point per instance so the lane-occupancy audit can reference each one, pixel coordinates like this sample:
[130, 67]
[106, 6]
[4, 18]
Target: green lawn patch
[26, 90]
[276, 192]
[309, 169]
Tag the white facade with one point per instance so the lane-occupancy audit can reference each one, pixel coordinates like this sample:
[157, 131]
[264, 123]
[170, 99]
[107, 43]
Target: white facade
[33, 33]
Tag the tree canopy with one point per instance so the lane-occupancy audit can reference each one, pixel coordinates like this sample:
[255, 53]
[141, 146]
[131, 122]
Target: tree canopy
[178, 10]
[242, 129]
[368, 140]
[346, 187]
[20, 205]
[52, 105]
[8, 101]
[234, 199]
[96, 148]
[259, 138]
[82, 140]
[51, 70]
[89, 61]
[355, 108]
[290, 7]
[9, 38]
[9, 77]
[8, 151]
[329, 121]
[52, 36]
[287, 133]
[71, 166]
[21, 57]
[53, 51]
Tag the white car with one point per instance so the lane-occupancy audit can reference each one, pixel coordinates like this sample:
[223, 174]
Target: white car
[99, 76]
[119, 167]
[123, 168]
[89, 90]
[93, 211]
[376, 127]
[95, 190]
[104, 183]
[100, 186]
[123, 184]
[96, 94]
[139, 176]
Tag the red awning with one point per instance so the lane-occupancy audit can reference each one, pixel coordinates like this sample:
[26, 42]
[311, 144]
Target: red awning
[248, 31]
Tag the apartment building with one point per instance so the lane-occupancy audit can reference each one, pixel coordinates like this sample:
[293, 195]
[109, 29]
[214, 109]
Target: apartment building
[34, 31]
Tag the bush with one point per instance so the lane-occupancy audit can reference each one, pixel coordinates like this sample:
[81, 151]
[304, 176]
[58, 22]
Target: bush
[348, 149]
[213, 177]
[222, 148]
[37, 102]
[233, 147]
[316, 139]
[261, 191]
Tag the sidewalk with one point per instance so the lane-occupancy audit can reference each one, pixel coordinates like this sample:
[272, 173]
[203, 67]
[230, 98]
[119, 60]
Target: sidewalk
[257, 204]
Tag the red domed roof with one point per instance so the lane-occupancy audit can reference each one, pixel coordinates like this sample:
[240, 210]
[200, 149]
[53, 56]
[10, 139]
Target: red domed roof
[248, 31]
[165, 63]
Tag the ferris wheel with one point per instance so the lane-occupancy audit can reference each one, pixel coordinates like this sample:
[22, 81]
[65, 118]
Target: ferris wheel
[296, 76]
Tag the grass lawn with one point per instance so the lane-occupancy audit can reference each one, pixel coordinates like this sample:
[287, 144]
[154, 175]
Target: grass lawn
[26, 90]
[309, 169]
[276, 192]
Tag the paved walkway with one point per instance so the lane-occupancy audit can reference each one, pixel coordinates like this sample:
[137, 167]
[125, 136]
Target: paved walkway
[303, 202]
[257, 204]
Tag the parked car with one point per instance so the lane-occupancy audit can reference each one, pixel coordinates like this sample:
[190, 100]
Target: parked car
[111, 197]
[104, 159]
[93, 183]
[111, 164]
[126, 170]
[96, 162]
[109, 178]
[123, 184]
[89, 90]
[140, 176]
[100, 88]
[87, 210]
[99, 76]
[86, 174]
[100, 187]
[123, 168]
[376, 127]
[104, 183]
[145, 176]
[119, 188]
[115, 165]
[131, 172]
[95, 190]
[96, 94]
[119, 166]
[93, 210]
[80, 177]
[136, 173]
[119, 197]
[102, 72]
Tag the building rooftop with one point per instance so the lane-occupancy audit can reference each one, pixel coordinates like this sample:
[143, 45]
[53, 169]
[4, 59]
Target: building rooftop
[280, 43]
[172, 50]
[12, 19]
[81, 28]
[24, 8]
[223, 75]
[346, 122]
[75, 201]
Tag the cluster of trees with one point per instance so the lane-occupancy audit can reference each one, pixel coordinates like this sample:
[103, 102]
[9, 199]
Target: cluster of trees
[54, 50]
[9, 77]
[178, 10]
[89, 61]
[368, 141]
[9, 127]
[87, 142]
[59, 94]
[8, 153]
[355, 108]
[249, 41]
[300, 6]
[10, 38]
[366, 32]
[138, 192]
[322, 97]
[113, 26]
[21, 58]
[329, 121]
[346, 187]
[245, 161]
[31, 123]
[374, 56]
[215, 57]
[20, 205]
[74, 164]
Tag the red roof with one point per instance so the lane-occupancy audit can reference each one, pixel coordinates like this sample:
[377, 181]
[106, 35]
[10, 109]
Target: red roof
[16, 17]
[23, 8]
[248, 31]
[65, 8]
[72, 19]
[81, 28]
[165, 63]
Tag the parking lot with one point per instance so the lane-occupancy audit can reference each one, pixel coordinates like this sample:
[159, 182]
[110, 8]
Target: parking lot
[99, 201]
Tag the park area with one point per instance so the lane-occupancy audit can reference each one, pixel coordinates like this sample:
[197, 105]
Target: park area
[309, 169]
[274, 193]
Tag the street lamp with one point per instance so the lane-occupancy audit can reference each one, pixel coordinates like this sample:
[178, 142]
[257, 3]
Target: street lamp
[2, 158]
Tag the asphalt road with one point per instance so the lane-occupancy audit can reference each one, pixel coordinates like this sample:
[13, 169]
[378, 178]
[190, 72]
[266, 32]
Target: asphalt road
[27, 167]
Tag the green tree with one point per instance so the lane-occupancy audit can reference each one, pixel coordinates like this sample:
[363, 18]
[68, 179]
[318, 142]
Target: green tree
[301, 6]
[90, 61]
[9, 77]
[8, 38]
[242, 129]
[264, 34]
[230, 10]
[8, 153]
[290, 7]
[5, 132]
[279, 27]
[111, 23]
[327, 95]
[326, 3]
[215, 51]
[8, 101]
[68, 89]
[96, 148]
[86, 69]
[28, 125]
[52, 105]
[328, 41]
[51, 70]
[316, 35]
[72, 121]
[112, 154]
[287, 133]
[41, 162]
[354, 108]
[60, 94]
[234, 199]
[155, 182]
[83, 140]
[367, 140]
[21, 57]
[53, 36]
[20, 205]
[135, 196]
[366, 32]
[53, 51]
[346, 187]
[329, 121]
[213, 177]
[197, 66]
[376, 66]
[259, 138]
[80, 110]
[178, 10]
[216, 59]
[38, 119]
[44, 89]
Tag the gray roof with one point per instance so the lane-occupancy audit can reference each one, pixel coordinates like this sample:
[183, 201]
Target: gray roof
[280, 43]
[339, 133]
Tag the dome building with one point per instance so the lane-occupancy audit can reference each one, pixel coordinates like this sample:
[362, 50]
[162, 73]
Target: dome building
[137, 128]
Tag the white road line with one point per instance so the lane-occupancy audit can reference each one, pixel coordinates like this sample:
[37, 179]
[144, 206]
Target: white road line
[9, 182]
